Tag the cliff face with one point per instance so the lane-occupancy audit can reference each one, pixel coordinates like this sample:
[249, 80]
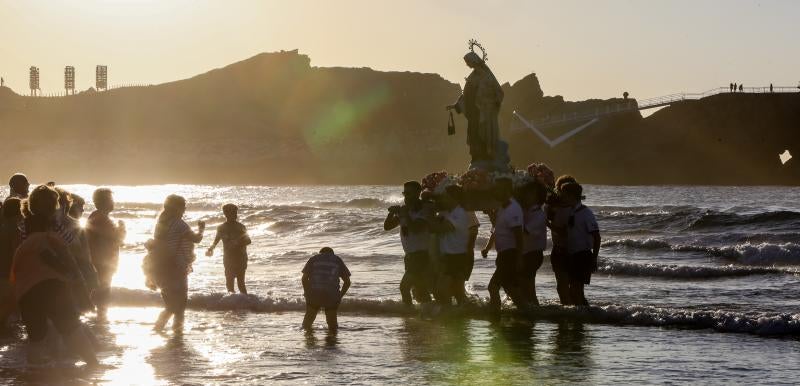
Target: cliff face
[274, 119]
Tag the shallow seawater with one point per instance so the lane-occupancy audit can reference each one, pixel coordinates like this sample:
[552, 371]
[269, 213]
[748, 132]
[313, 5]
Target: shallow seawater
[697, 284]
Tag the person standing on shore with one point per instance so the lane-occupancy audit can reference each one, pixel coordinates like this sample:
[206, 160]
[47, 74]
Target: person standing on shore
[413, 219]
[172, 250]
[105, 239]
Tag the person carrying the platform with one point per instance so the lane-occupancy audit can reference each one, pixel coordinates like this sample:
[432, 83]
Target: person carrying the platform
[508, 242]
[557, 217]
[453, 227]
[583, 242]
[535, 236]
[413, 218]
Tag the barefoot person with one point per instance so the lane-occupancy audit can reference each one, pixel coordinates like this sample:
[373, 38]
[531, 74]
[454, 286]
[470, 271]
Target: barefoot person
[583, 243]
[321, 276]
[105, 239]
[170, 258]
[44, 278]
[453, 227]
[508, 244]
[235, 240]
[413, 218]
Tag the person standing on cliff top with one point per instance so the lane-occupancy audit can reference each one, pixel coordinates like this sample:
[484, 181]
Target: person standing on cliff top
[480, 103]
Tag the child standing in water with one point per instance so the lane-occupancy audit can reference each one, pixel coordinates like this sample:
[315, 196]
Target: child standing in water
[321, 276]
[583, 242]
[234, 245]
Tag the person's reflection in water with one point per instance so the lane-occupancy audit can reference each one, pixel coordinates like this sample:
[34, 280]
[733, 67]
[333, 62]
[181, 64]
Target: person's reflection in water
[442, 340]
[570, 351]
[331, 340]
[175, 359]
[513, 341]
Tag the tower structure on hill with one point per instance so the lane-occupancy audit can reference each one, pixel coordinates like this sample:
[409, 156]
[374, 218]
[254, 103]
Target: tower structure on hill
[69, 80]
[33, 80]
[101, 78]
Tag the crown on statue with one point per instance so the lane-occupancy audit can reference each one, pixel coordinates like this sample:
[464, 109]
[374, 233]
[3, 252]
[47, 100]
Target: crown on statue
[474, 43]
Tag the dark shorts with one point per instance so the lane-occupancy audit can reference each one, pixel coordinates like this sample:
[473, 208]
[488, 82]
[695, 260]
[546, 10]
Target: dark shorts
[417, 263]
[531, 262]
[506, 267]
[48, 300]
[558, 259]
[581, 266]
[328, 301]
[234, 265]
[458, 266]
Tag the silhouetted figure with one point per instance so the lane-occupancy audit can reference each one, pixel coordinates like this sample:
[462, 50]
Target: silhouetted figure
[413, 219]
[558, 213]
[321, 276]
[455, 262]
[18, 186]
[170, 258]
[535, 237]
[770, 87]
[74, 237]
[730, 86]
[583, 242]
[625, 95]
[2, 82]
[508, 242]
[734, 87]
[480, 103]
[741, 88]
[43, 274]
[235, 240]
[10, 239]
[105, 238]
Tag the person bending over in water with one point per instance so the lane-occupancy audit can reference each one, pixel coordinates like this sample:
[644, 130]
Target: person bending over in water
[234, 248]
[172, 250]
[105, 239]
[321, 276]
[43, 274]
[413, 218]
[583, 243]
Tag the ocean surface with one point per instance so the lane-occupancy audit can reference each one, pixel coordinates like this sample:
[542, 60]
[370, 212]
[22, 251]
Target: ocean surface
[696, 285]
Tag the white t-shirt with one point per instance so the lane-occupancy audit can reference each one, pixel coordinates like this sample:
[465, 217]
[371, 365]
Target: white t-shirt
[507, 219]
[580, 229]
[414, 241]
[535, 238]
[455, 242]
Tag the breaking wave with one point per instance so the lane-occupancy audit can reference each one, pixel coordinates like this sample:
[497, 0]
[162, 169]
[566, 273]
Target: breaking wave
[747, 253]
[675, 271]
[760, 323]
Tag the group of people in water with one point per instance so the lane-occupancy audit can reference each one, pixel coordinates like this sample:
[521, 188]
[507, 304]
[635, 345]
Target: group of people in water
[438, 236]
[53, 270]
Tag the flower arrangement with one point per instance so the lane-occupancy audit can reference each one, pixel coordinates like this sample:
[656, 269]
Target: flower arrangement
[542, 173]
[475, 179]
[433, 180]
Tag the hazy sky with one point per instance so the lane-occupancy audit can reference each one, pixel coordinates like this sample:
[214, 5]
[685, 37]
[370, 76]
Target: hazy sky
[579, 49]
